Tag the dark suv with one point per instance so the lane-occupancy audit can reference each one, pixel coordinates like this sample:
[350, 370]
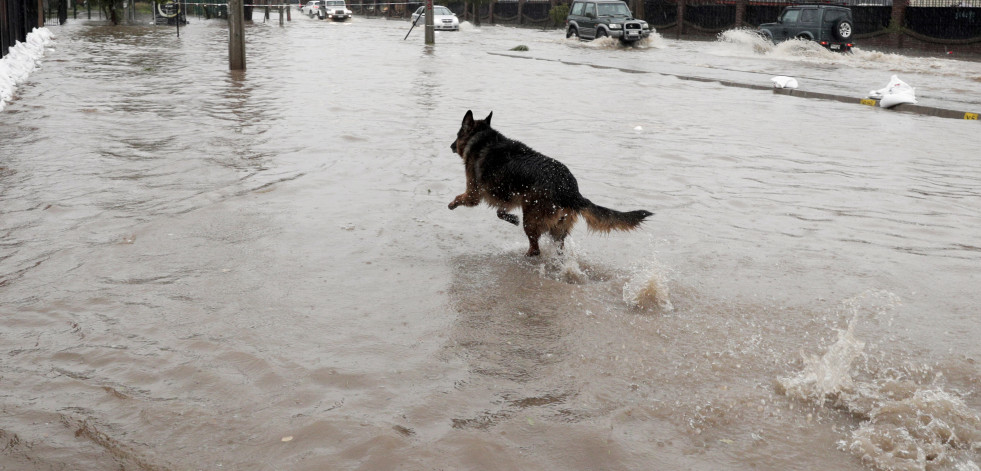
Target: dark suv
[831, 26]
[590, 19]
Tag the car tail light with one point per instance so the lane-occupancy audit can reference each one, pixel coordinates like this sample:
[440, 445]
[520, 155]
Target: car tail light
[849, 44]
[824, 43]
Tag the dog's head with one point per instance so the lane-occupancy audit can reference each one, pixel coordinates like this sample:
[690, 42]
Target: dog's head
[468, 129]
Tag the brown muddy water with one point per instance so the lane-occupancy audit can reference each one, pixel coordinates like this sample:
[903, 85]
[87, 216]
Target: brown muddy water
[204, 270]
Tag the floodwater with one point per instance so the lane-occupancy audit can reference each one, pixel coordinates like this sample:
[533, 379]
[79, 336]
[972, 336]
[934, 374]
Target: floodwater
[205, 270]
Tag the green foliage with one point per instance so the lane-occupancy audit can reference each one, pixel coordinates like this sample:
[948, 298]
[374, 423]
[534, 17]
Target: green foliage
[558, 14]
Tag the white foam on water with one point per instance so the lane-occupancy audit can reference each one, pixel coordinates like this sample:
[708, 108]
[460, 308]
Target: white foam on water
[647, 288]
[905, 425]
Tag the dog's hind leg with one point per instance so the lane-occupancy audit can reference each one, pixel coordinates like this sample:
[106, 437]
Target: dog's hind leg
[561, 228]
[533, 231]
[505, 215]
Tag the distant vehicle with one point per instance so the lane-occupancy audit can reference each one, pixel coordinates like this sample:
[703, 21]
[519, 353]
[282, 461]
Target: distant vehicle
[334, 10]
[443, 18]
[311, 8]
[591, 19]
[829, 25]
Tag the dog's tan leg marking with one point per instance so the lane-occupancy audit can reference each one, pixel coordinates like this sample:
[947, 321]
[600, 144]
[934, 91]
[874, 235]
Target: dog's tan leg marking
[465, 199]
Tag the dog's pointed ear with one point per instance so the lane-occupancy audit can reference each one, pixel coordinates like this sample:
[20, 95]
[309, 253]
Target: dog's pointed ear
[487, 119]
[468, 119]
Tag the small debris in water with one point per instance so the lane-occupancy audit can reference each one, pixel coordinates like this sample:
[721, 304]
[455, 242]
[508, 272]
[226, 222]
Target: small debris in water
[288, 438]
[520, 48]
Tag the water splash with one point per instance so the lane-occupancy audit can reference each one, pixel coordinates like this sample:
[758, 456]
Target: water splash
[904, 425]
[562, 265]
[745, 39]
[647, 288]
[654, 41]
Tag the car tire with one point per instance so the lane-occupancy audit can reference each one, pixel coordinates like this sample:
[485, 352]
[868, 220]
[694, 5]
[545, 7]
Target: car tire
[766, 35]
[843, 29]
[601, 33]
[572, 31]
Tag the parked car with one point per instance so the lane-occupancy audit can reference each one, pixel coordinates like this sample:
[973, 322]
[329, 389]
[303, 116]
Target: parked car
[334, 10]
[443, 18]
[311, 8]
[830, 25]
[591, 19]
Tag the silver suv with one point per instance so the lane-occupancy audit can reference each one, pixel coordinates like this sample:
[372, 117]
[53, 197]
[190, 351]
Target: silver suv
[591, 19]
[831, 26]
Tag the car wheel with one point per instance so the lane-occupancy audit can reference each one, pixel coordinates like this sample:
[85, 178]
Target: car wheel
[766, 35]
[601, 33]
[843, 29]
[572, 31]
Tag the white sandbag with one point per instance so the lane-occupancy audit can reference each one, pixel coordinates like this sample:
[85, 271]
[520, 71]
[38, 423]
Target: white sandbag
[781, 81]
[895, 93]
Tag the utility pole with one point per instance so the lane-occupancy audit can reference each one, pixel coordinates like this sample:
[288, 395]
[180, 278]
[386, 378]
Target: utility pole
[430, 33]
[236, 35]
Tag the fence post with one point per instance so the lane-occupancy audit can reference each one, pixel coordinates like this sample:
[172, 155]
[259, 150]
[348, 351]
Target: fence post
[681, 19]
[639, 10]
[896, 22]
[492, 3]
[740, 13]
[521, 12]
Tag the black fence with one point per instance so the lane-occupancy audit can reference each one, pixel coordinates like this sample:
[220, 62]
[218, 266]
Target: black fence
[929, 20]
[17, 19]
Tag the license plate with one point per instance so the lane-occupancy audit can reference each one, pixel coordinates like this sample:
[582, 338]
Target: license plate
[835, 46]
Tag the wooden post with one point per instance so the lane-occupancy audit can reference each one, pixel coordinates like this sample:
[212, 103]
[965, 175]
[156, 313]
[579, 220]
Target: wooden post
[280, 12]
[521, 12]
[40, 13]
[236, 35]
[681, 19]
[639, 10]
[740, 13]
[289, 17]
[492, 3]
[430, 24]
[896, 22]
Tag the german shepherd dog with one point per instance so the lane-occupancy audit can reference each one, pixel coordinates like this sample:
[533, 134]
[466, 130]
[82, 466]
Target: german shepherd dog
[507, 174]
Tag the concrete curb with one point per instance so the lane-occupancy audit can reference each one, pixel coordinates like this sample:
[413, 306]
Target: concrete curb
[906, 108]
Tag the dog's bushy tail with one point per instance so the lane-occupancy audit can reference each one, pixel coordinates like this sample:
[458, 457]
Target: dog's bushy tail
[602, 219]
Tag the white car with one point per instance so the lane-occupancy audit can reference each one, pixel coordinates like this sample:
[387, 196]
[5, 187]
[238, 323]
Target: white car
[312, 7]
[443, 18]
[335, 10]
